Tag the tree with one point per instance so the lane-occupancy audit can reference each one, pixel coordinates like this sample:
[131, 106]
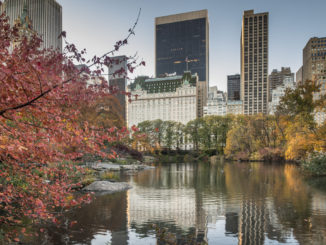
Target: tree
[300, 101]
[298, 107]
[41, 94]
[169, 134]
[192, 131]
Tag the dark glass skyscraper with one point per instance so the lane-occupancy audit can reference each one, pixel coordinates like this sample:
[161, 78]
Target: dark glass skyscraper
[182, 44]
[234, 87]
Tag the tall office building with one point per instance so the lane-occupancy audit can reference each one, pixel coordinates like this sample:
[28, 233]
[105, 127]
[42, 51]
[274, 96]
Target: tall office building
[182, 44]
[118, 80]
[314, 59]
[254, 62]
[276, 79]
[45, 17]
[233, 85]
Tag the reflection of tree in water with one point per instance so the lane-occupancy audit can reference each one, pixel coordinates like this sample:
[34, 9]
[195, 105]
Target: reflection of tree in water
[317, 183]
[105, 213]
[167, 233]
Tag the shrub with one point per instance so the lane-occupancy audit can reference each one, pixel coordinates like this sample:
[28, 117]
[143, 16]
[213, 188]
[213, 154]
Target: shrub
[315, 163]
[271, 154]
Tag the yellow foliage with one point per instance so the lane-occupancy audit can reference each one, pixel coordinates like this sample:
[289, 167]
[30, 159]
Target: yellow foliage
[298, 146]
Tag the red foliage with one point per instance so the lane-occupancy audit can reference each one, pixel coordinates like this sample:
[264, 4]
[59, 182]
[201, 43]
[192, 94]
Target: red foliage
[41, 92]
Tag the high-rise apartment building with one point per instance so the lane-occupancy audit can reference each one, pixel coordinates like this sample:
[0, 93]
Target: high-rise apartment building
[314, 68]
[254, 62]
[276, 78]
[233, 85]
[182, 44]
[314, 59]
[45, 17]
[118, 80]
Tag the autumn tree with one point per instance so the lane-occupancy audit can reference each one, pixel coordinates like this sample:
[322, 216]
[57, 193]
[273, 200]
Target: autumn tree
[41, 94]
[298, 107]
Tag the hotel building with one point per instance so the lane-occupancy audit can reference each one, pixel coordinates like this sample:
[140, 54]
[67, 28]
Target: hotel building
[171, 98]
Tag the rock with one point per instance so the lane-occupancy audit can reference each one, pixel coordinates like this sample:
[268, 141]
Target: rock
[118, 167]
[107, 187]
[105, 166]
[135, 167]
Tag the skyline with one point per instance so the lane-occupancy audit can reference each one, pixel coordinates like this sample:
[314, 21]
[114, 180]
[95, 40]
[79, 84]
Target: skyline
[285, 47]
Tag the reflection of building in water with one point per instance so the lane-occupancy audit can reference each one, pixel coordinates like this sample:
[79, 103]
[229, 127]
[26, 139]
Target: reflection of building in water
[252, 223]
[231, 223]
[177, 206]
[174, 205]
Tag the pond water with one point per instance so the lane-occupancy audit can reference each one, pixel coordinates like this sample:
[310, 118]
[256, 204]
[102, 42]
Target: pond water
[214, 203]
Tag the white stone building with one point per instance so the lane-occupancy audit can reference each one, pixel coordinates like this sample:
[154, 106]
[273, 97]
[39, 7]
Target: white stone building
[216, 103]
[234, 107]
[171, 98]
[278, 92]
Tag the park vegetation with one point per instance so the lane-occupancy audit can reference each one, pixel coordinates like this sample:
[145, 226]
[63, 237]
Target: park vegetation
[50, 117]
[290, 135]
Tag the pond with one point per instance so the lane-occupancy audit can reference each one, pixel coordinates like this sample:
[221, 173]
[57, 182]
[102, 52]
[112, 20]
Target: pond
[214, 203]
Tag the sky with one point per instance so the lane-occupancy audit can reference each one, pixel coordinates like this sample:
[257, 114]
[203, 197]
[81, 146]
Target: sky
[97, 24]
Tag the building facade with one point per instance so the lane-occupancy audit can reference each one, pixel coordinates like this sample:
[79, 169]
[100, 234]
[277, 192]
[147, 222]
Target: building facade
[314, 59]
[276, 78]
[216, 103]
[118, 80]
[45, 17]
[233, 85]
[172, 98]
[299, 76]
[234, 107]
[254, 62]
[314, 68]
[279, 92]
[182, 44]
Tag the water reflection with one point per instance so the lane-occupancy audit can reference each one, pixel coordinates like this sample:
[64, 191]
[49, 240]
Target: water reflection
[233, 203]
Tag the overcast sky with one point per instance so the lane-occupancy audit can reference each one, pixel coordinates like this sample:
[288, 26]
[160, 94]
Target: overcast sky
[97, 24]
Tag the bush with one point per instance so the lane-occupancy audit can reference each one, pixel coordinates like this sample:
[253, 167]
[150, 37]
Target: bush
[268, 154]
[315, 164]
[242, 156]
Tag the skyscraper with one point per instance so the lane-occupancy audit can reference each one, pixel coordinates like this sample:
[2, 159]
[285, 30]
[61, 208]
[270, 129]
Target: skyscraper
[254, 62]
[314, 59]
[314, 68]
[45, 16]
[182, 44]
[234, 87]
